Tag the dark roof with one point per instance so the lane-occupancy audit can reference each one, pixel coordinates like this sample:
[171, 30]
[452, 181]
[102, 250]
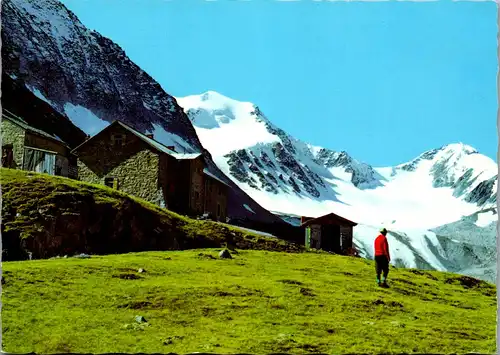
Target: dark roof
[208, 173]
[7, 115]
[151, 142]
[328, 219]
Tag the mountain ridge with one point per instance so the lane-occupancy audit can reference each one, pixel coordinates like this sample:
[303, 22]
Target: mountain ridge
[211, 113]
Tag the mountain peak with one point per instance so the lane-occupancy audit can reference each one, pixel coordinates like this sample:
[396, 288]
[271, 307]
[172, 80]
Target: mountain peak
[212, 100]
[211, 95]
[459, 148]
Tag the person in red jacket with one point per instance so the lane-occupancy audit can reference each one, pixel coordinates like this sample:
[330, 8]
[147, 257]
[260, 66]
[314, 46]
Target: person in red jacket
[382, 257]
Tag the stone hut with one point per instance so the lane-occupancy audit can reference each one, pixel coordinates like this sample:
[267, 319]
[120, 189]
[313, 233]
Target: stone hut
[122, 158]
[28, 148]
[330, 233]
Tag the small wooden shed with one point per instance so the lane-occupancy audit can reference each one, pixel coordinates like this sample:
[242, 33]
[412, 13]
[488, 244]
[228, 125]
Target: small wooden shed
[330, 232]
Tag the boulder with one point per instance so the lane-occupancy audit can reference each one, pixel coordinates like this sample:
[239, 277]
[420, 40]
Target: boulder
[82, 256]
[224, 254]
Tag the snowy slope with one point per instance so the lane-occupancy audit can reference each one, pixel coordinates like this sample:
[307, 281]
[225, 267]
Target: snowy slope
[414, 200]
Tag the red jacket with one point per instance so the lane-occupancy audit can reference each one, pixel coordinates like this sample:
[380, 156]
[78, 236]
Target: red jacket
[382, 246]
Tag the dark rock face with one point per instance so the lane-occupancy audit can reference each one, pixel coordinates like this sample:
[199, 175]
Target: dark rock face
[439, 171]
[429, 155]
[286, 159]
[237, 162]
[463, 183]
[245, 165]
[363, 175]
[267, 161]
[45, 46]
[332, 159]
[483, 193]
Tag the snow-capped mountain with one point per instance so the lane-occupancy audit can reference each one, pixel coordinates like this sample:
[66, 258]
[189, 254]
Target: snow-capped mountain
[439, 207]
[56, 63]
[419, 201]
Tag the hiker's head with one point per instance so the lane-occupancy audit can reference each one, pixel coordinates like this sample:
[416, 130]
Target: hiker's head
[383, 231]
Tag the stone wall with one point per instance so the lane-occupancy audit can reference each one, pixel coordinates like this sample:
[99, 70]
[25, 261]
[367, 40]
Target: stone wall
[62, 166]
[15, 135]
[215, 194]
[197, 192]
[134, 166]
[221, 199]
[137, 176]
[174, 182]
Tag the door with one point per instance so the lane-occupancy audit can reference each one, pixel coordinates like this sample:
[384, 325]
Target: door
[7, 156]
[39, 161]
[330, 238]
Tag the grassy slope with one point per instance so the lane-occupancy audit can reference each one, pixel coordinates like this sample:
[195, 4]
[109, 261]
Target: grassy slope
[30, 202]
[258, 302]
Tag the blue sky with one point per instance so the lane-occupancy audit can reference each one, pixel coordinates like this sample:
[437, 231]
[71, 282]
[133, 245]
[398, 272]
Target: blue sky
[383, 81]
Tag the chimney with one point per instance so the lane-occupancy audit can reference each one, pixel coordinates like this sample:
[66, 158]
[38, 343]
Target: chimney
[150, 136]
[171, 147]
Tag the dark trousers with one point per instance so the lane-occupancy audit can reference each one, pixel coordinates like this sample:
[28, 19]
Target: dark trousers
[381, 266]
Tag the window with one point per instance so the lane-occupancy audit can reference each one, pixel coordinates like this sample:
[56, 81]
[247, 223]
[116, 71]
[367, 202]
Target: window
[118, 139]
[218, 210]
[111, 182]
[7, 156]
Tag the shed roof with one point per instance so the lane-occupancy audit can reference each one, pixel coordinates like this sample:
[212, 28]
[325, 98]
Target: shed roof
[208, 173]
[330, 218]
[6, 114]
[151, 142]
